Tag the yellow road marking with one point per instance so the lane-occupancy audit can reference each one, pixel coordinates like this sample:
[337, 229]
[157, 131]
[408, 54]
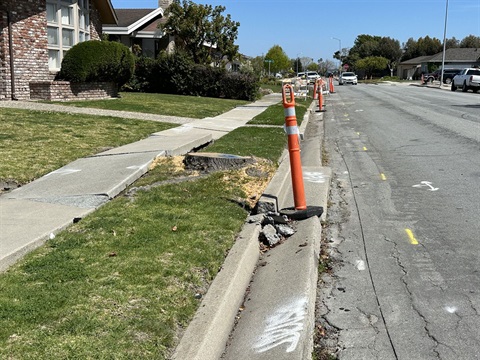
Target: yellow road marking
[364, 148]
[413, 241]
[383, 177]
[358, 133]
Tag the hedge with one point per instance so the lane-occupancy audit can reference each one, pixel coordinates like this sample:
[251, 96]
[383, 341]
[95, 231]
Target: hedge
[176, 74]
[92, 61]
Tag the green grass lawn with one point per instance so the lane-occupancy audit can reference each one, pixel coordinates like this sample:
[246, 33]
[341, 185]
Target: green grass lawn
[33, 143]
[274, 115]
[163, 104]
[124, 281]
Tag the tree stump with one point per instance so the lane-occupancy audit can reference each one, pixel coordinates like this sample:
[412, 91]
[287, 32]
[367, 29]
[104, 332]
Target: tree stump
[216, 161]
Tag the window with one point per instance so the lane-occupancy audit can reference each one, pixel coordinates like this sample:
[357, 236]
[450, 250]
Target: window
[67, 24]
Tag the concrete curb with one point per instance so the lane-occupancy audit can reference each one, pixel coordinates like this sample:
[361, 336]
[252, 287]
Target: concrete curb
[273, 195]
[208, 332]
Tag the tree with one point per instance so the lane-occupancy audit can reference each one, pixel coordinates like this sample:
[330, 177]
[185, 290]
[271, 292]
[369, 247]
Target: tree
[277, 59]
[201, 31]
[373, 46]
[297, 65]
[471, 41]
[422, 47]
[257, 65]
[341, 55]
[390, 49]
[371, 64]
[306, 62]
[452, 43]
[325, 66]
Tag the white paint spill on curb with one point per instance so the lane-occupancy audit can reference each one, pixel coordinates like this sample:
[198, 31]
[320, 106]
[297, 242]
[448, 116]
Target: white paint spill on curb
[314, 177]
[283, 327]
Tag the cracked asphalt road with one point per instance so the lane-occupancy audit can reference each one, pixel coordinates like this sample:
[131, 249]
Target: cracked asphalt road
[402, 228]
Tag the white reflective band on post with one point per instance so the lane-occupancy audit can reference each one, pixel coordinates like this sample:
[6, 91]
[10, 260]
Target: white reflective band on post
[289, 111]
[292, 130]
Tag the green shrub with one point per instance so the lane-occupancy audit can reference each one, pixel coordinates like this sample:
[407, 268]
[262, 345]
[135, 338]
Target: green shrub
[240, 86]
[93, 61]
[177, 74]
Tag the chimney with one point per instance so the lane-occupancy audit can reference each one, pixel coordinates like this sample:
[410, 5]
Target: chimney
[164, 4]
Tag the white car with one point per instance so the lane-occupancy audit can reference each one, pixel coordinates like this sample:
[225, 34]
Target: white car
[347, 78]
[310, 76]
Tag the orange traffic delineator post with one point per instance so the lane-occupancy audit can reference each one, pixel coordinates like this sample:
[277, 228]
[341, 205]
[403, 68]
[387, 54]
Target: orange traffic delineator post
[332, 89]
[315, 89]
[301, 210]
[320, 95]
[294, 148]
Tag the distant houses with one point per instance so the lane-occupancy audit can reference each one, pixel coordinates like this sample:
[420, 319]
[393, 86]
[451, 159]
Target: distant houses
[455, 58]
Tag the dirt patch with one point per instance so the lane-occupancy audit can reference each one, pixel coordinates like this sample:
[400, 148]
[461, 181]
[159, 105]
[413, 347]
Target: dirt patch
[254, 179]
[8, 185]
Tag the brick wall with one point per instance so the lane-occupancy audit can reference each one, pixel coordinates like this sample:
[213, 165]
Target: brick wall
[65, 91]
[95, 23]
[29, 36]
[29, 30]
[3, 41]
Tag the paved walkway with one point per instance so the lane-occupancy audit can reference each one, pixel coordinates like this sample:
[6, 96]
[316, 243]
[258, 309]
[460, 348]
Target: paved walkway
[53, 202]
[32, 105]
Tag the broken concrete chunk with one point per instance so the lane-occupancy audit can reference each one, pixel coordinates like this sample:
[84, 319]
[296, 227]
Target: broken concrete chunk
[255, 219]
[284, 230]
[269, 235]
[268, 220]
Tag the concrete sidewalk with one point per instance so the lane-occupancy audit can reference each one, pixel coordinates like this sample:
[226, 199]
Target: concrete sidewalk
[32, 213]
[278, 317]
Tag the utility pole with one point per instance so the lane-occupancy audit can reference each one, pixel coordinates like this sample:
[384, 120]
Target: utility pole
[339, 54]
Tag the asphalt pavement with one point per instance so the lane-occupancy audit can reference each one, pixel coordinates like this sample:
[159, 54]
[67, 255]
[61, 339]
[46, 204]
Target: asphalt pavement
[277, 315]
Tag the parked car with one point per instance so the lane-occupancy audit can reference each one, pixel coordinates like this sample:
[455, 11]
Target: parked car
[347, 78]
[448, 75]
[310, 76]
[468, 79]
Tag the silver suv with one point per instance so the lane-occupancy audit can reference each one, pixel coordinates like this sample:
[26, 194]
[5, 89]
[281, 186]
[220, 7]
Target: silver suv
[347, 78]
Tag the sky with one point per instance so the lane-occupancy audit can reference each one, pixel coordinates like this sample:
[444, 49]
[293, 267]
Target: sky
[318, 28]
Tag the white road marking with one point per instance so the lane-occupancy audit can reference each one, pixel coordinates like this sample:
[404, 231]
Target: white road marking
[426, 184]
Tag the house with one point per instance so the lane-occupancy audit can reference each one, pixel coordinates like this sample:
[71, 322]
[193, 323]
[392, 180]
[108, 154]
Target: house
[455, 58]
[139, 29]
[35, 35]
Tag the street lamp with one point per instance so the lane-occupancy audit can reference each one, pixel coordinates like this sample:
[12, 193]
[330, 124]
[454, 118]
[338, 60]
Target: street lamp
[444, 44]
[269, 62]
[339, 52]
